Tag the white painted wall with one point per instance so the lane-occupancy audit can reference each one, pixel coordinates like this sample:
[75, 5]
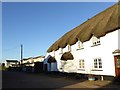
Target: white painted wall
[24, 61]
[31, 60]
[39, 59]
[7, 64]
[109, 43]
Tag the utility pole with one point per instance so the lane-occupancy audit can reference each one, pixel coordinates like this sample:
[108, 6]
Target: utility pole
[21, 52]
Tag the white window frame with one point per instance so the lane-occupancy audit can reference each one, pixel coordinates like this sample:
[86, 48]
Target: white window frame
[69, 48]
[61, 50]
[95, 41]
[98, 64]
[82, 64]
[79, 45]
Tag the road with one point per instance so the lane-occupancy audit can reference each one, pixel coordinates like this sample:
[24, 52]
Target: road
[41, 80]
[31, 80]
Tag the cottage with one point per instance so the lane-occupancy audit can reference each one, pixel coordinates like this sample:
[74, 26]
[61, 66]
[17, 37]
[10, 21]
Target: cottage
[29, 64]
[11, 63]
[39, 58]
[90, 48]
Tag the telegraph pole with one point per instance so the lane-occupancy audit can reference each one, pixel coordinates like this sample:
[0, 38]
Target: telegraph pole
[21, 51]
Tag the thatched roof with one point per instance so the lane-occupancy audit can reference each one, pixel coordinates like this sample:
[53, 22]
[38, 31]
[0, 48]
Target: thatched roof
[99, 25]
[11, 61]
[67, 56]
[116, 51]
[38, 57]
[51, 59]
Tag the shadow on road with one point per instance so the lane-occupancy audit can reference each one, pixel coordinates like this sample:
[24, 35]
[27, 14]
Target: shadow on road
[54, 80]
[11, 79]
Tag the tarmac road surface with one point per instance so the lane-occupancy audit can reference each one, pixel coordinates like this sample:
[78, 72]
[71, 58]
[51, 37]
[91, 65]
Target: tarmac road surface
[31, 80]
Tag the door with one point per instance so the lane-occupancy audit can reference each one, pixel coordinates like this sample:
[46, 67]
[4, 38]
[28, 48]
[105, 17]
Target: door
[117, 65]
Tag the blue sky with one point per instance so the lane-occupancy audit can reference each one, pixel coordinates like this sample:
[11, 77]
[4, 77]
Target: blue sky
[38, 25]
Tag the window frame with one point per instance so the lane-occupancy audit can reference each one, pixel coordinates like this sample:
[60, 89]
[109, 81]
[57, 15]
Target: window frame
[69, 48]
[61, 50]
[95, 41]
[98, 63]
[81, 64]
[118, 62]
[79, 45]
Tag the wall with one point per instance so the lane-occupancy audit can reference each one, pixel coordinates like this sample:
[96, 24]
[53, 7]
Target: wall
[39, 59]
[109, 43]
[7, 64]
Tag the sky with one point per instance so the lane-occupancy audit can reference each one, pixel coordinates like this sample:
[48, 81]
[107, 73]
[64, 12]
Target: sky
[59, 0]
[37, 25]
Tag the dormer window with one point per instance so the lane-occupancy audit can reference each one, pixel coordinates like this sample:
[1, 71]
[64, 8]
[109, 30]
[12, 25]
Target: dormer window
[69, 48]
[61, 51]
[95, 41]
[79, 45]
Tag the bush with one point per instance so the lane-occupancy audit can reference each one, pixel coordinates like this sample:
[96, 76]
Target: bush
[3, 68]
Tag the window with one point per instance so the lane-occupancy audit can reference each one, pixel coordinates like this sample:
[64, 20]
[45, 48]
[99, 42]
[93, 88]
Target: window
[69, 48]
[81, 64]
[118, 63]
[80, 45]
[95, 41]
[97, 63]
[61, 51]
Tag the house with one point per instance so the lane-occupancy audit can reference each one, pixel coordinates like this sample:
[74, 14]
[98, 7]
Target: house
[90, 48]
[27, 64]
[39, 58]
[11, 63]
[31, 63]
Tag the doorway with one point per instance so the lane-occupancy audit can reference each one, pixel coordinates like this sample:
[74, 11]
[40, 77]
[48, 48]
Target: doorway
[117, 65]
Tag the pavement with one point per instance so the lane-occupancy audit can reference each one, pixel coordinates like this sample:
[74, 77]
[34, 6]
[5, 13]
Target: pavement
[41, 80]
[90, 84]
